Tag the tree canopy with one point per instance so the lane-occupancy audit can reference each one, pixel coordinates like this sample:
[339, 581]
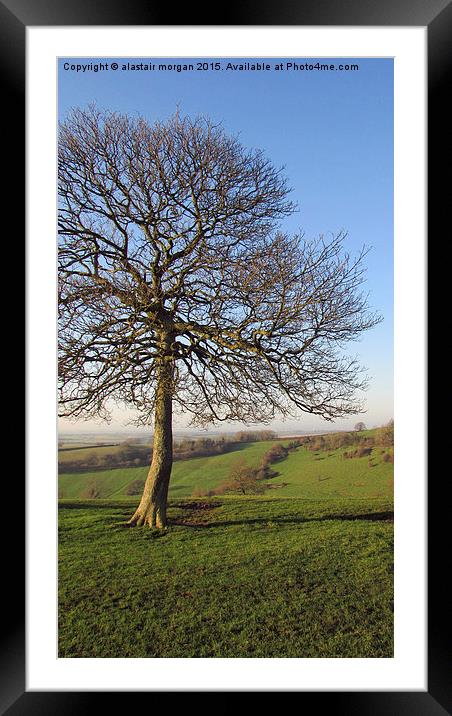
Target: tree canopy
[173, 229]
[179, 289]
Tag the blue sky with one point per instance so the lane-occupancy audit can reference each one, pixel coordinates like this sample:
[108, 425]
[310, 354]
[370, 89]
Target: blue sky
[333, 132]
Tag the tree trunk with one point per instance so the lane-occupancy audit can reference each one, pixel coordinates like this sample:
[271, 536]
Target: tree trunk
[152, 509]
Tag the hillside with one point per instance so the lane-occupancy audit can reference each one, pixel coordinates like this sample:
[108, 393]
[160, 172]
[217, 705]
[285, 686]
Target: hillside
[306, 473]
[303, 570]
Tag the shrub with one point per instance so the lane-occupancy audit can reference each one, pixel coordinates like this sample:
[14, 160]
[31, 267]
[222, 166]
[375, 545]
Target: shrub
[92, 460]
[243, 479]
[91, 491]
[135, 487]
[265, 472]
[295, 444]
[276, 452]
[385, 434]
[337, 440]
[319, 443]
[201, 492]
[359, 452]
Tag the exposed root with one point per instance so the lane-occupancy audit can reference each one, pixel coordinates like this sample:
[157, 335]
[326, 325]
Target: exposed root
[137, 520]
[152, 518]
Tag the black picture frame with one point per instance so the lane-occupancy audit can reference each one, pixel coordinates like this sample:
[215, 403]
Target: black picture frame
[436, 15]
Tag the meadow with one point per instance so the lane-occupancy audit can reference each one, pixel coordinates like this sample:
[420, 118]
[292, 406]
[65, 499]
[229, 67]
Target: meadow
[307, 474]
[303, 570]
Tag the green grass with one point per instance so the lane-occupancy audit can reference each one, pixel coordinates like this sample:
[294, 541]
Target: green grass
[304, 570]
[82, 452]
[326, 475]
[230, 577]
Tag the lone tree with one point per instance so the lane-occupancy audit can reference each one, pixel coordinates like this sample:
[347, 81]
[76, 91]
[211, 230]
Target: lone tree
[177, 290]
[244, 479]
[359, 427]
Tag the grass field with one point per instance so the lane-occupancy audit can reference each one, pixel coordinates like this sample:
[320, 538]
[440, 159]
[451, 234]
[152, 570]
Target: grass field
[81, 452]
[240, 577]
[304, 570]
[307, 474]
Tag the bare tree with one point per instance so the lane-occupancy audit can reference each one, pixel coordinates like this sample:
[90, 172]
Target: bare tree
[359, 427]
[243, 479]
[177, 290]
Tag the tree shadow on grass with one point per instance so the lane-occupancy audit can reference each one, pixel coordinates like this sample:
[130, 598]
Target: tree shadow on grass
[197, 513]
[387, 516]
[94, 504]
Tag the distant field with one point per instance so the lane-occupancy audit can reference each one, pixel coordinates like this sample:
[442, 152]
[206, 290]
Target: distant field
[71, 445]
[324, 475]
[67, 453]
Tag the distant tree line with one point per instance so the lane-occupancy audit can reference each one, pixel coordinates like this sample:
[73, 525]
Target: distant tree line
[248, 480]
[137, 455]
[126, 455]
[380, 437]
[253, 436]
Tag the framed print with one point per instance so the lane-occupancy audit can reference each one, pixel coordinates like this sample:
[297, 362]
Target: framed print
[278, 571]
